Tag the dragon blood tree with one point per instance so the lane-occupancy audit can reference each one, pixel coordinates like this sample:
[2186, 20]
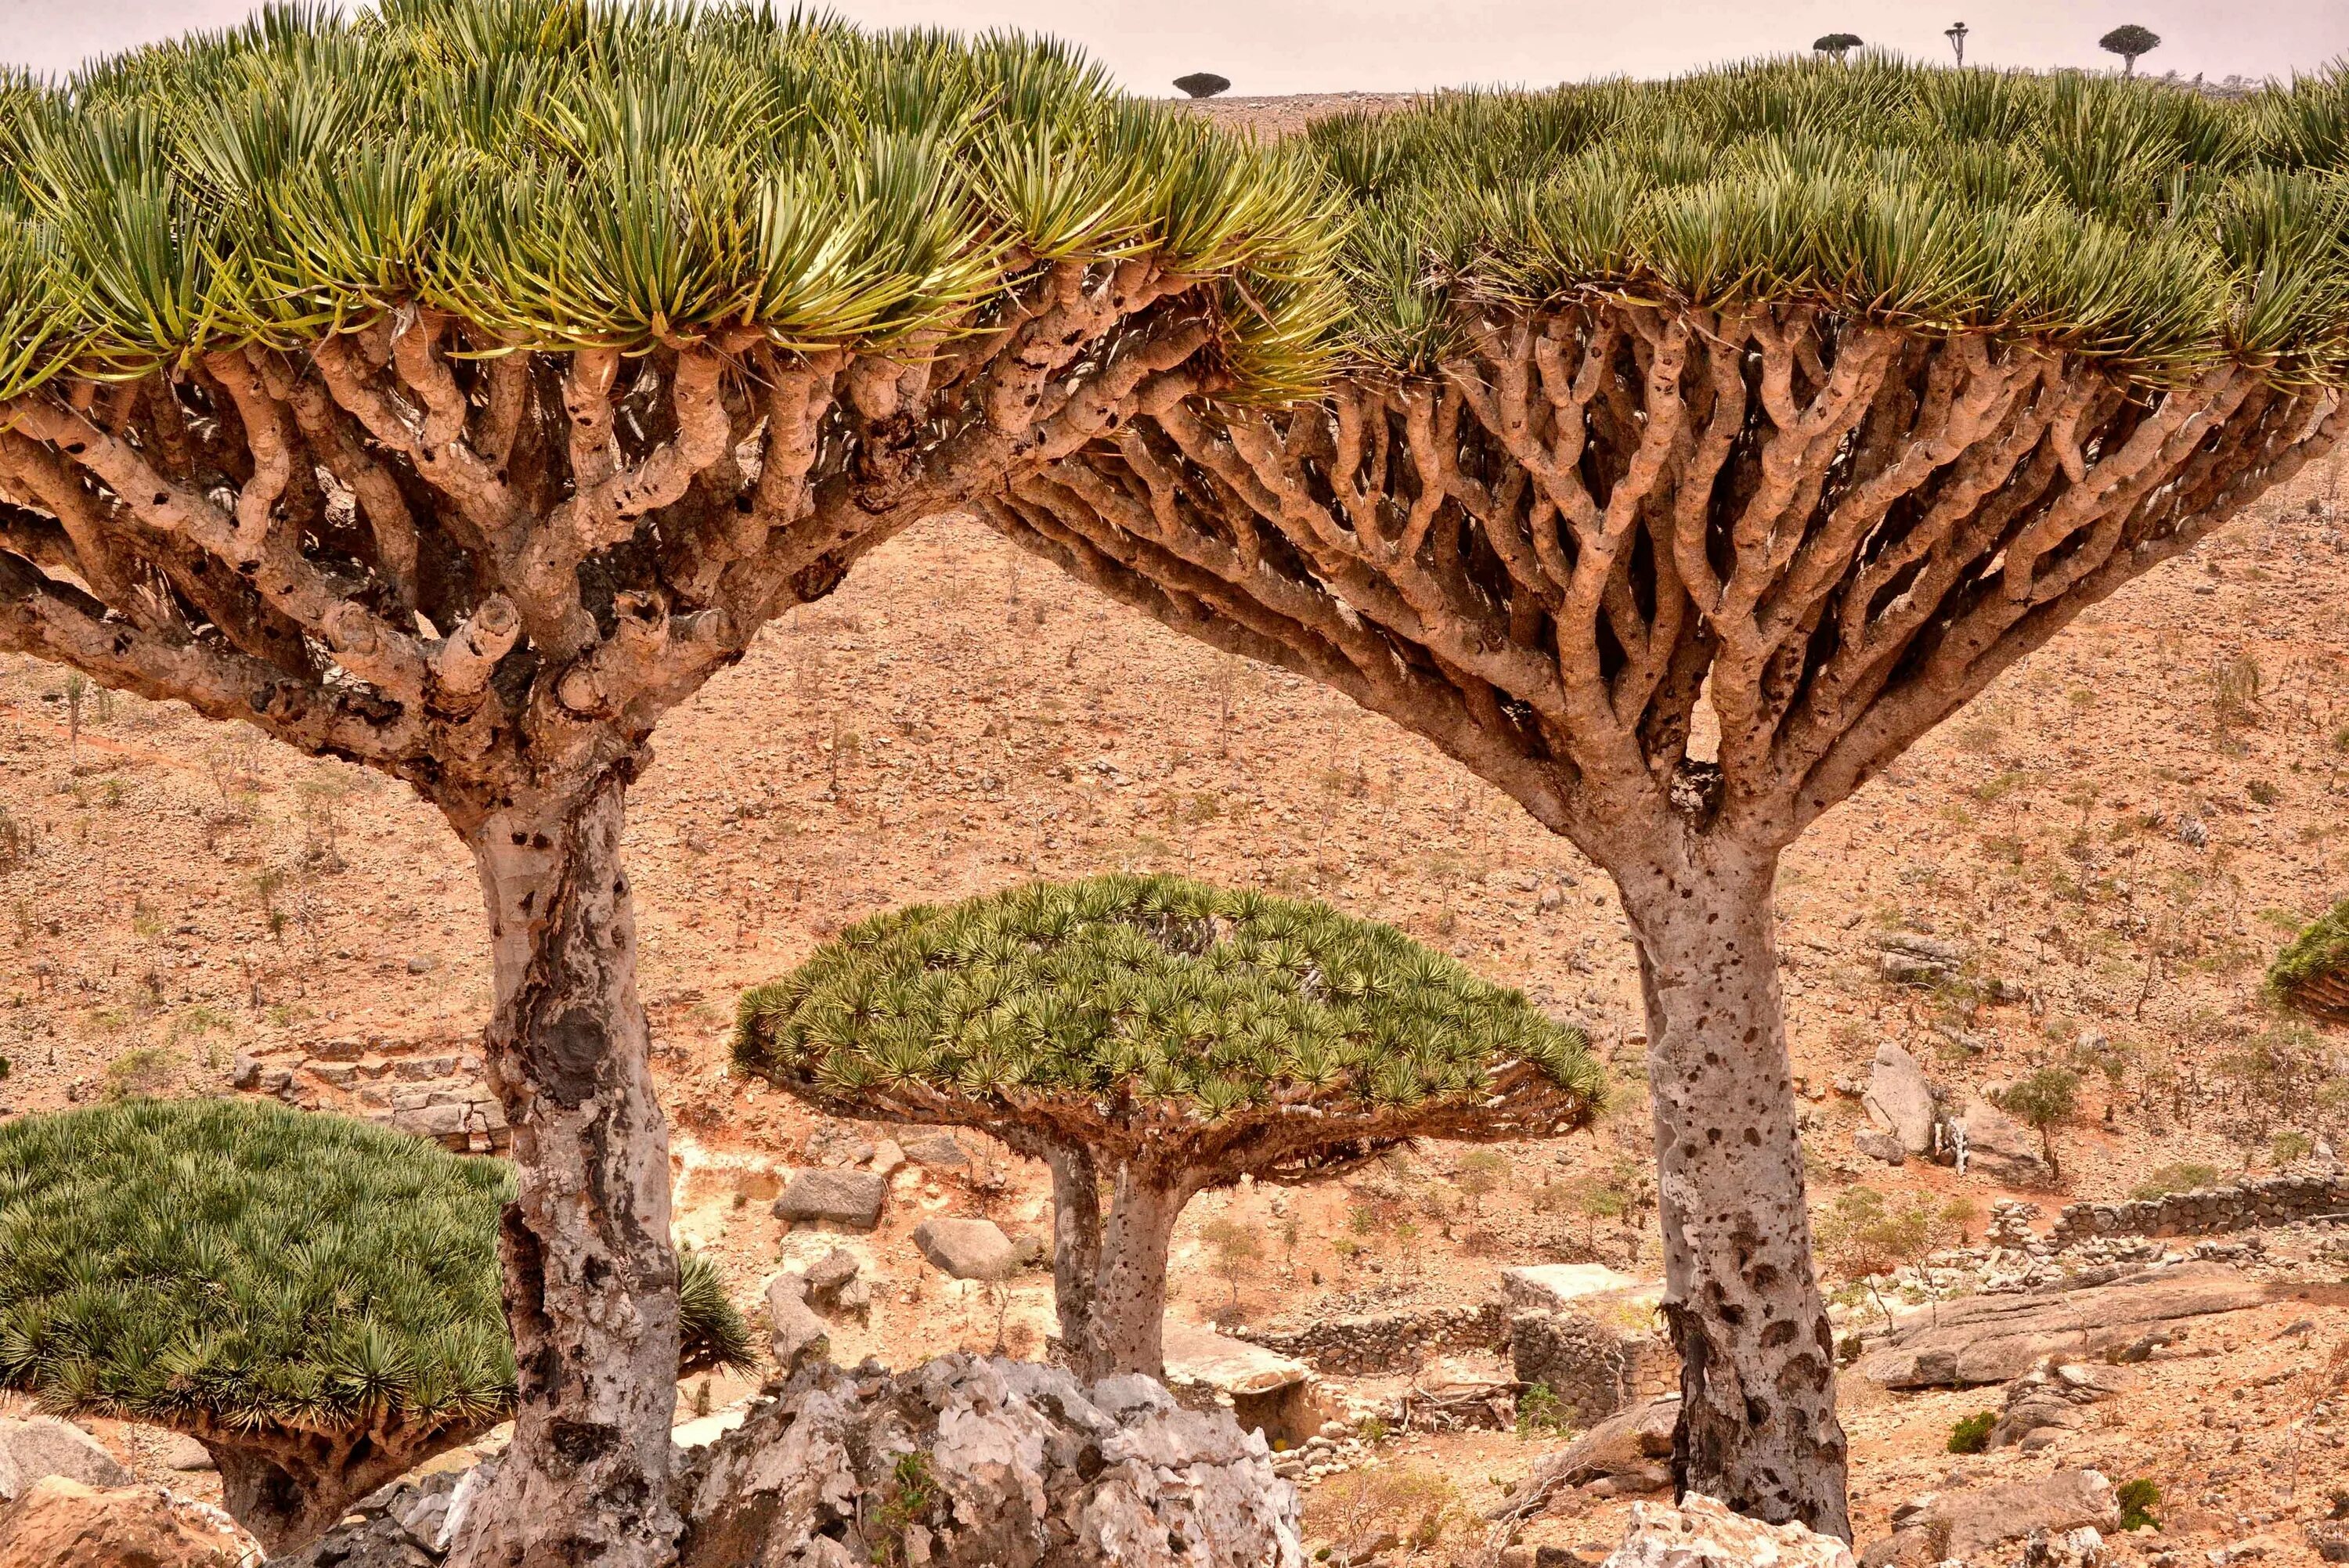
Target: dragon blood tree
[454, 389]
[1704, 444]
[314, 1299]
[1164, 1038]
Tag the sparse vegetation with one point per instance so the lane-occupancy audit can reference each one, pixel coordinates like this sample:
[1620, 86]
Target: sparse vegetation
[2044, 1101]
[1971, 1434]
[1406, 1509]
[2183, 1176]
[2137, 1500]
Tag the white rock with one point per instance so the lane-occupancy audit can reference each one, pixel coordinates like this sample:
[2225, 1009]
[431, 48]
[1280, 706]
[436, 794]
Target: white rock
[1702, 1533]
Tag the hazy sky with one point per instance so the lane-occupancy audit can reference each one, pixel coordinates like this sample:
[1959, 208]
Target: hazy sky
[1325, 46]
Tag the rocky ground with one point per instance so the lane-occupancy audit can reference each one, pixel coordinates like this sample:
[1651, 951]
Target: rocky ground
[2090, 868]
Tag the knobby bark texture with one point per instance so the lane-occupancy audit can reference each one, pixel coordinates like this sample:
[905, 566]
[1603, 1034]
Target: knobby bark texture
[1679, 580]
[1757, 1355]
[487, 572]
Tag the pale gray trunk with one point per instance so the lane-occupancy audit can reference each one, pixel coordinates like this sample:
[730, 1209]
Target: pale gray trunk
[1129, 1294]
[590, 1278]
[1757, 1424]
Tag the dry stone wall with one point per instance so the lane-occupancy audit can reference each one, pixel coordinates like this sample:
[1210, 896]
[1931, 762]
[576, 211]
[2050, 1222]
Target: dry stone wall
[2207, 1211]
[1375, 1345]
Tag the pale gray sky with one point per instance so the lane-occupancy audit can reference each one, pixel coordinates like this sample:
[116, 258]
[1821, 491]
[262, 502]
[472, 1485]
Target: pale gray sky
[1328, 45]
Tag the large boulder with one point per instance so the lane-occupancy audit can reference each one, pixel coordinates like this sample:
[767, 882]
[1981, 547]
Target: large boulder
[968, 1461]
[936, 1150]
[794, 1333]
[1967, 1524]
[1631, 1450]
[2054, 1398]
[1899, 1099]
[45, 1446]
[852, 1199]
[1995, 1339]
[1999, 1147]
[968, 1249]
[1550, 1287]
[63, 1523]
[1269, 1392]
[1702, 1533]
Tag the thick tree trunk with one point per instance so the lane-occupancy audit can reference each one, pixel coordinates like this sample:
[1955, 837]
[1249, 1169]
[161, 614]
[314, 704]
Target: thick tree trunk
[1129, 1303]
[1757, 1424]
[590, 1279]
[291, 1493]
[1076, 1257]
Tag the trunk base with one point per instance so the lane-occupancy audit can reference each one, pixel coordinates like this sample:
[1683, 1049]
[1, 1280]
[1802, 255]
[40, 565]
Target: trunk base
[1757, 1425]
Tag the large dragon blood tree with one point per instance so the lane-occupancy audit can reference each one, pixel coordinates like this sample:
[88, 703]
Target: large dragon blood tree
[1162, 1037]
[314, 1299]
[455, 388]
[1705, 443]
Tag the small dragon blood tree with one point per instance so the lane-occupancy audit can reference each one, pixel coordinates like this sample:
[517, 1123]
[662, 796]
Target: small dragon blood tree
[2312, 974]
[314, 1299]
[455, 386]
[1166, 1038]
[1704, 444]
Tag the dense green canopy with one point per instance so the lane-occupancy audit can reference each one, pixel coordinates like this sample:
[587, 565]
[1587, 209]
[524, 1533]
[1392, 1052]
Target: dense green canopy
[569, 172]
[1152, 989]
[2141, 223]
[225, 1265]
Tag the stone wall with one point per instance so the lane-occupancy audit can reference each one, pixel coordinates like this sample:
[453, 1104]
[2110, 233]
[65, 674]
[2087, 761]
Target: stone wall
[1374, 1345]
[2207, 1210]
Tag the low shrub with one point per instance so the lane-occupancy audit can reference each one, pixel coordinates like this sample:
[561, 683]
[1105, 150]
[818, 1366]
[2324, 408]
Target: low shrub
[1971, 1434]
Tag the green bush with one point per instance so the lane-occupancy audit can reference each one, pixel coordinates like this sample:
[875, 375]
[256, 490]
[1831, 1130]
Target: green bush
[1166, 989]
[2137, 1499]
[2183, 1176]
[1971, 1434]
[278, 1284]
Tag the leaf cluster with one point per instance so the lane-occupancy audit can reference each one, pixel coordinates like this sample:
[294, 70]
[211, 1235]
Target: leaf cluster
[2135, 221]
[2313, 968]
[571, 173]
[1132, 989]
[225, 1266]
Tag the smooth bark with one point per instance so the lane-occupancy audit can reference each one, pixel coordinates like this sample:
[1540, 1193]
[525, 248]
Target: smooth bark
[1757, 1425]
[590, 1278]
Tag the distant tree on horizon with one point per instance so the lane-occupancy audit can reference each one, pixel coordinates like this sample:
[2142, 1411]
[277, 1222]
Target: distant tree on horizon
[2131, 43]
[1838, 44]
[1204, 83]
